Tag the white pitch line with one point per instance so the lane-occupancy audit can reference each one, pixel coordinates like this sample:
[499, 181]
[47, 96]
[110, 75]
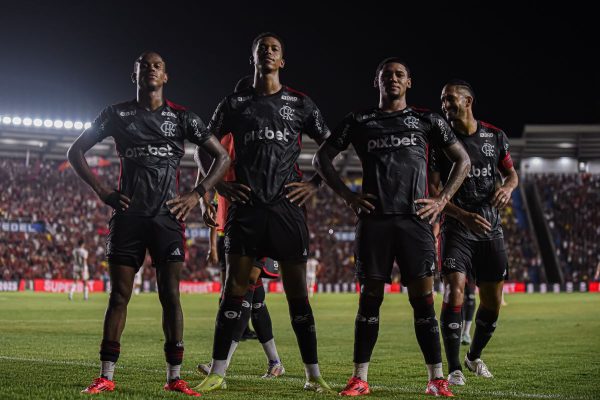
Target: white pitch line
[394, 388]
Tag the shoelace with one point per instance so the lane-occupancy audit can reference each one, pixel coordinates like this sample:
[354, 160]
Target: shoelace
[482, 369]
[444, 385]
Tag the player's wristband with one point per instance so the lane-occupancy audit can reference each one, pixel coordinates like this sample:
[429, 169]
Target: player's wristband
[200, 190]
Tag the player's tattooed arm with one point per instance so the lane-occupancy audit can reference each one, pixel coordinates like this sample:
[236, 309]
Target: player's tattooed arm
[472, 221]
[433, 206]
[502, 195]
[322, 162]
[76, 156]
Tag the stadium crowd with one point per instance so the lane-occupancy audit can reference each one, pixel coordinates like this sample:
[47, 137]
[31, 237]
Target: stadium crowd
[570, 203]
[49, 193]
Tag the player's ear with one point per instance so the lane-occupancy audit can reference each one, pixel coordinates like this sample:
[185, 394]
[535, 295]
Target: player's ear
[468, 101]
[166, 78]
[409, 83]
[376, 82]
[282, 64]
[133, 77]
[251, 59]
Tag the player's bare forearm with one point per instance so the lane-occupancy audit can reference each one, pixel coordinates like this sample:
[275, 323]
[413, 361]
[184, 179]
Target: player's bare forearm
[219, 166]
[512, 179]
[322, 162]
[76, 157]
[454, 211]
[458, 155]
[435, 188]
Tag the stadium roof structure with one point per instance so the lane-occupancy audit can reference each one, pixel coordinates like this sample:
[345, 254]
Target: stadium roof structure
[581, 142]
[51, 139]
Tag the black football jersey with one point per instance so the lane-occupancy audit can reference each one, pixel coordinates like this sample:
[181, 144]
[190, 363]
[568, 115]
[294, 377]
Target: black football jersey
[488, 150]
[150, 145]
[393, 148]
[267, 138]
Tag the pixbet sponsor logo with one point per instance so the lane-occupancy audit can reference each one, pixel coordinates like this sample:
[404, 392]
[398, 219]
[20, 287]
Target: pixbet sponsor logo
[267, 134]
[477, 172]
[289, 98]
[387, 142]
[486, 134]
[126, 113]
[145, 151]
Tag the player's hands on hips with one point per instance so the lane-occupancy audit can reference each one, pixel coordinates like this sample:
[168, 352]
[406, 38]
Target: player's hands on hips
[181, 205]
[501, 197]
[432, 207]
[114, 199]
[359, 203]
[209, 213]
[234, 192]
[301, 191]
[475, 222]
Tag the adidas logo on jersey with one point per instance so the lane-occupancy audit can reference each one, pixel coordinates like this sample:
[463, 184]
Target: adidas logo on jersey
[176, 252]
[387, 142]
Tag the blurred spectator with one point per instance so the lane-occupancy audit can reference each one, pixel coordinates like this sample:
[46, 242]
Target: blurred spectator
[570, 203]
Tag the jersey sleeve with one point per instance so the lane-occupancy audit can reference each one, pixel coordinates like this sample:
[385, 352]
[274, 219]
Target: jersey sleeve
[505, 162]
[441, 134]
[314, 124]
[102, 126]
[342, 134]
[195, 130]
[218, 124]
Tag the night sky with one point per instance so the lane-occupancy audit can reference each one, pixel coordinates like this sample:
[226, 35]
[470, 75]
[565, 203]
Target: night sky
[71, 59]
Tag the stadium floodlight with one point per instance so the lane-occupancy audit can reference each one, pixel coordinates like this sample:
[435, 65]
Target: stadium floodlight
[6, 120]
[566, 145]
[58, 123]
[48, 123]
[536, 161]
[68, 125]
[27, 121]
[16, 121]
[87, 125]
[38, 122]
[78, 125]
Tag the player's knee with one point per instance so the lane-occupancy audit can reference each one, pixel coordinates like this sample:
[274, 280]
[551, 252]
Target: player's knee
[491, 303]
[455, 295]
[423, 306]
[118, 299]
[372, 288]
[236, 287]
[169, 298]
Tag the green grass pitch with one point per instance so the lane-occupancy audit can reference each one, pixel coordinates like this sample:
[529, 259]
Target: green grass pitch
[546, 347]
